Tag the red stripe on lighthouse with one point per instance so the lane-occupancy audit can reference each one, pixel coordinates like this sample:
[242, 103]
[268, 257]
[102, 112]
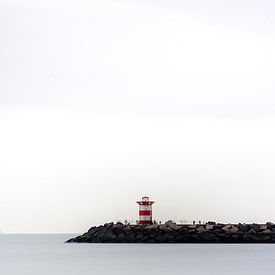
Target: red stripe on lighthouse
[145, 212]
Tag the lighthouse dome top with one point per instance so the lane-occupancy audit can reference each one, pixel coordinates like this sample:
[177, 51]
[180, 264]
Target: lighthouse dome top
[145, 198]
[145, 201]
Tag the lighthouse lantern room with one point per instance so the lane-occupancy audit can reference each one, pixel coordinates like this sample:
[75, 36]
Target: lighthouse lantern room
[145, 210]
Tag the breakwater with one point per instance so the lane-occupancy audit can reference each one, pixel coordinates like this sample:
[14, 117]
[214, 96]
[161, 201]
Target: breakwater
[171, 232]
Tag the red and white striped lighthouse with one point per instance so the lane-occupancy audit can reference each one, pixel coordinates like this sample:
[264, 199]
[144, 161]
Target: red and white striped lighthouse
[145, 211]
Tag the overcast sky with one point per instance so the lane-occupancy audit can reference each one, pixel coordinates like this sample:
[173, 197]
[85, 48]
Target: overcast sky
[102, 102]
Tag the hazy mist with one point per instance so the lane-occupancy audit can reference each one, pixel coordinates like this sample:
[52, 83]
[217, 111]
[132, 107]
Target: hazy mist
[102, 102]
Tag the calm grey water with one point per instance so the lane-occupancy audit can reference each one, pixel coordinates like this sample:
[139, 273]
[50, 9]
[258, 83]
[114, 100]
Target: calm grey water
[48, 254]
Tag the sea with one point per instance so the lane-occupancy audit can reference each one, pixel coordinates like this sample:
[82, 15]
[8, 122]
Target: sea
[41, 254]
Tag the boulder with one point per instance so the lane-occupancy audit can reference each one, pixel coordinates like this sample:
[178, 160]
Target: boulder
[267, 231]
[144, 239]
[220, 225]
[251, 232]
[266, 238]
[183, 230]
[201, 229]
[130, 237]
[160, 239]
[116, 229]
[137, 228]
[126, 229]
[235, 236]
[92, 230]
[151, 226]
[192, 226]
[139, 236]
[233, 229]
[254, 237]
[195, 237]
[165, 228]
[224, 237]
[270, 225]
[209, 227]
[120, 238]
[173, 225]
[263, 226]
[151, 231]
[255, 227]
[243, 227]
[109, 225]
[226, 227]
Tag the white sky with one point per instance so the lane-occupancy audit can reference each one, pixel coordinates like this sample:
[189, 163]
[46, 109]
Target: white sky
[102, 102]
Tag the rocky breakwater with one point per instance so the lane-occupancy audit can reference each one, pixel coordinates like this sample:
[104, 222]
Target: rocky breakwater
[171, 232]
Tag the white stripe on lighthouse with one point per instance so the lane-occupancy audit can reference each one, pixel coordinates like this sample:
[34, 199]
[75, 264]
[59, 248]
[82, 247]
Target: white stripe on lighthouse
[145, 207]
[145, 218]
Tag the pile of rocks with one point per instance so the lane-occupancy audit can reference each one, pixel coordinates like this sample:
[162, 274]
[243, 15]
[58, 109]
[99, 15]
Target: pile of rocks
[171, 232]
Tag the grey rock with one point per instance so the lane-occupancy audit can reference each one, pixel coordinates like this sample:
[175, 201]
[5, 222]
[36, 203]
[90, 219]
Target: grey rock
[201, 229]
[227, 227]
[255, 227]
[266, 238]
[233, 229]
[165, 228]
[120, 238]
[92, 230]
[117, 229]
[192, 226]
[173, 225]
[244, 227]
[251, 232]
[127, 229]
[152, 226]
[263, 226]
[139, 236]
[209, 227]
[270, 225]
[267, 231]
[130, 237]
[254, 237]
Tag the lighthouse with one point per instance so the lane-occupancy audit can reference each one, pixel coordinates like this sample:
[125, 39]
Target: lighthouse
[145, 210]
